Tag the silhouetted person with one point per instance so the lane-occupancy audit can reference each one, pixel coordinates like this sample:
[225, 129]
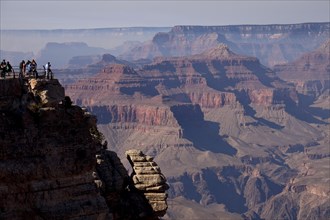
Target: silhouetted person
[3, 68]
[21, 69]
[33, 68]
[67, 102]
[9, 69]
[3, 63]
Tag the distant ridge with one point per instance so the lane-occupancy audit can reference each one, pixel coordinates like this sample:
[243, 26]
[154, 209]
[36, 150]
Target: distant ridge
[34, 40]
[271, 44]
[84, 29]
[296, 25]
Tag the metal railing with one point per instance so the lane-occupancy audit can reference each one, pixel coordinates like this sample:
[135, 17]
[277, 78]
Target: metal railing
[15, 73]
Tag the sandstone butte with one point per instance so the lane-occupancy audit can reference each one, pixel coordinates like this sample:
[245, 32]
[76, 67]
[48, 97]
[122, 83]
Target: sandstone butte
[54, 163]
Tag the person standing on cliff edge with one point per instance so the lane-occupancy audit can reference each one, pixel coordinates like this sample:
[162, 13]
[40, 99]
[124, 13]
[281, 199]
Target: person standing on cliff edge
[48, 71]
[9, 69]
[21, 69]
[33, 69]
[3, 68]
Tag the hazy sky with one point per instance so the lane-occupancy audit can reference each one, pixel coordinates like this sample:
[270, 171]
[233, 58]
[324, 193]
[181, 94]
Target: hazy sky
[75, 14]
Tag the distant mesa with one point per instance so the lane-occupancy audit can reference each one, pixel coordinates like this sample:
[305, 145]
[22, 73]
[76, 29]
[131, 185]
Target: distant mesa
[271, 44]
[63, 52]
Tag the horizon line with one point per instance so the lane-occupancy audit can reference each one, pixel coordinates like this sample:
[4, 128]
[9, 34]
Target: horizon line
[149, 27]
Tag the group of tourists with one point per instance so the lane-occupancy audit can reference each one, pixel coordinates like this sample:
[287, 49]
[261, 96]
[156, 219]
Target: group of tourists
[26, 69]
[6, 68]
[30, 69]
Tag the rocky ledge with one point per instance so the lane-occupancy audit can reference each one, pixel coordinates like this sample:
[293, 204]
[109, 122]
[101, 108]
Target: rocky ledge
[54, 163]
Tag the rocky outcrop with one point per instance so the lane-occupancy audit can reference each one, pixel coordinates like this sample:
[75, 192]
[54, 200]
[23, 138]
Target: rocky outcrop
[49, 92]
[268, 97]
[53, 163]
[47, 155]
[212, 99]
[148, 179]
[125, 198]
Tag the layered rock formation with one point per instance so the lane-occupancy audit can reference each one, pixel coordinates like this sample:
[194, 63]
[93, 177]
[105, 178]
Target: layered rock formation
[310, 72]
[86, 66]
[148, 179]
[226, 72]
[47, 155]
[225, 129]
[311, 65]
[134, 197]
[272, 44]
[48, 150]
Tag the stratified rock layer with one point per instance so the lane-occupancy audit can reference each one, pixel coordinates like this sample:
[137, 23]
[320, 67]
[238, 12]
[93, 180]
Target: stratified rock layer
[272, 44]
[310, 72]
[228, 134]
[47, 155]
[148, 179]
[53, 164]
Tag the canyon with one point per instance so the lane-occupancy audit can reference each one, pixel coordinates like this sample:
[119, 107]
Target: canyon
[230, 134]
[237, 118]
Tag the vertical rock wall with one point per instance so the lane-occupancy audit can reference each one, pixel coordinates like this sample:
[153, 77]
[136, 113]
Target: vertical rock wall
[47, 155]
[52, 161]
